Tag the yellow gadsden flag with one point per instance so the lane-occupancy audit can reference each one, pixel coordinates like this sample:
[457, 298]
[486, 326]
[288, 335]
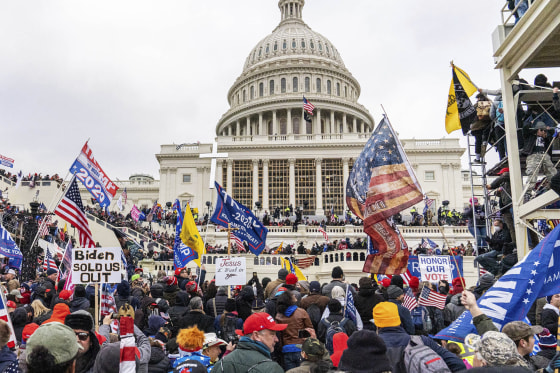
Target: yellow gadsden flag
[460, 111]
[292, 268]
[190, 236]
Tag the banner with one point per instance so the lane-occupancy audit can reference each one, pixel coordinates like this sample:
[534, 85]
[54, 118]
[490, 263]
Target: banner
[414, 267]
[250, 229]
[9, 249]
[5, 161]
[231, 271]
[135, 213]
[435, 268]
[101, 265]
[91, 175]
[510, 298]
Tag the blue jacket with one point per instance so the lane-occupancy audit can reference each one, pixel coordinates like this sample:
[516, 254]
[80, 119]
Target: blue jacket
[7, 357]
[405, 316]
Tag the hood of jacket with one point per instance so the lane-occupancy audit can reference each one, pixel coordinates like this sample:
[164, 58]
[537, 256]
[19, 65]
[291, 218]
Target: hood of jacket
[182, 298]
[19, 317]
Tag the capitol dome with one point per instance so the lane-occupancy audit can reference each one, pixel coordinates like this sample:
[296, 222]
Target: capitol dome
[292, 62]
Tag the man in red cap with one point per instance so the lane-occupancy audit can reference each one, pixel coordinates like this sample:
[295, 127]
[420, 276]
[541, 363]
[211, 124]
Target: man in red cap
[255, 345]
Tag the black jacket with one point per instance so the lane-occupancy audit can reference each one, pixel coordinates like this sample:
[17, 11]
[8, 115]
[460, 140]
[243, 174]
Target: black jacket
[549, 319]
[204, 322]
[530, 137]
[159, 362]
[365, 301]
[219, 301]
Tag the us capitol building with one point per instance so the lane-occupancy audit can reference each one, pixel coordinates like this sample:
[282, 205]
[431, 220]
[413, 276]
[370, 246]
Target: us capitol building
[276, 158]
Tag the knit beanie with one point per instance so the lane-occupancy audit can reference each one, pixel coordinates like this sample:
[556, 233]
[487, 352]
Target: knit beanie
[79, 291]
[230, 305]
[486, 281]
[291, 279]
[156, 291]
[547, 340]
[393, 292]
[365, 354]
[397, 280]
[386, 314]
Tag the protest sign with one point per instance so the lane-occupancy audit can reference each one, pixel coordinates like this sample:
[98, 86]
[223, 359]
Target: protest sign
[231, 271]
[101, 265]
[457, 270]
[435, 268]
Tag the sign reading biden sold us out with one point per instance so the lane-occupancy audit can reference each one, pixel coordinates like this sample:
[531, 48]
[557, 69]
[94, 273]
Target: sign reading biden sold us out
[100, 265]
[434, 268]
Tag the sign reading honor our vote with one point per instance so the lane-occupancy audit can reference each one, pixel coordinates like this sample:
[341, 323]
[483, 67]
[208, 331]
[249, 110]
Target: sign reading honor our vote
[100, 265]
[231, 271]
[435, 268]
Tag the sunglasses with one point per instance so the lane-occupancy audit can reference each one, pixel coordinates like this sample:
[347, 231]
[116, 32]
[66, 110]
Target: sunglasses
[82, 336]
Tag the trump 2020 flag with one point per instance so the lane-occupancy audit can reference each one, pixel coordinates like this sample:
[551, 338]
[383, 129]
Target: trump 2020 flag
[182, 254]
[535, 276]
[93, 177]
[9, 249]
[250, 229]
[191, 237]
[460, 112]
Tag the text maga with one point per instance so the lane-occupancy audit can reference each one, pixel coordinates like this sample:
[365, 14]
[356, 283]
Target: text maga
[100, 265]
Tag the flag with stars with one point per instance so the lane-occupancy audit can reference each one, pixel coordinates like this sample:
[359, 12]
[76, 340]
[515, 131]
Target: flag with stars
[381, 183]
[510, 298]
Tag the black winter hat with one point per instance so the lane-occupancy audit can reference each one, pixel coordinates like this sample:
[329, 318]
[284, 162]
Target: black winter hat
[337, 272]
[230, 305]
[364, 348]
[397, 280]
[80, 291]
[79, 320]
[156, 291]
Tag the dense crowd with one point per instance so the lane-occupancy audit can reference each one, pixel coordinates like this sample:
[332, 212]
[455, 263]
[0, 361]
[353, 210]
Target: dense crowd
[185, 323]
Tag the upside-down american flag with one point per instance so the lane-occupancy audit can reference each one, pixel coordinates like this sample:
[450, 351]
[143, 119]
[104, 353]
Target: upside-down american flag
[381, 184]
[70, 208]
[428, 298]
[306, 262]
[409, 300]
[308, 106]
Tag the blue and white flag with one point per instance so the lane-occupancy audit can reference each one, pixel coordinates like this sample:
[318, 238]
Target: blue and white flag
[350, 309]
[535, 276]
[182, 254]
[9, 249]
[428, 244]
[250, 229]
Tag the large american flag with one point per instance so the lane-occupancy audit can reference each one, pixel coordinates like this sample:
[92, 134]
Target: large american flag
[49, 261]
[71, 209]
[308, 106]
[306, 262]
[430, 298]
[409, 300]
[324, 233]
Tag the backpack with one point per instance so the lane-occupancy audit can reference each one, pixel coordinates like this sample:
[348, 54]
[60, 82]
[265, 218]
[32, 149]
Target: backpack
[483, 110]
[436, 317]
[417, 318]
[227, 332]
[419, 358]
[333, 328]
[315, 314]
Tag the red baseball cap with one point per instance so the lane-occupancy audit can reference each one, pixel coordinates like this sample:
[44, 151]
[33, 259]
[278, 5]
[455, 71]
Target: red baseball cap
[260, 321]
[386, 282]
[178, 271]
[11, 304]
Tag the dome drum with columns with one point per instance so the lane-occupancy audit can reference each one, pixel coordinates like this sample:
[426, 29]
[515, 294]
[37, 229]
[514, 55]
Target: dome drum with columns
[276, 158]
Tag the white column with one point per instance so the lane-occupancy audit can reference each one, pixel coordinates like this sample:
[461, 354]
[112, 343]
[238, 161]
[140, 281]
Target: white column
[289, 120]
[318, 123]
[354, 125]
[292, 184]
[345, 172]
[255, 182]
[319, 188]
[332, 124]
[229, 188]
[265, 185]
[237, 128]
[219, 171]
[344, 128]
[261, 124]
[248, 130]
[274, 124]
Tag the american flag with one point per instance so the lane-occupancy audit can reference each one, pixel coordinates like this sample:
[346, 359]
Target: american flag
[430, 298]
[324, 233]
[428, 244]
[49, 261]
[108, 304]
[409, 300]
[124, 196]
[71, 209]
[382, 182]
[4, 316]
[44, 226]
[482, 270]
[333, 219]
[406, 276]
[306, 262]
[238, 243]
[67, 258]
[308, 106]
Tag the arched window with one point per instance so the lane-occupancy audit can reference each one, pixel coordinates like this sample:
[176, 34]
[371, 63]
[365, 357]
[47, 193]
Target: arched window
[275, 48]
[252, 92]
[284, 44]
[283, 126]
[311, 44]
[302, 43]
[244, 95]
[295, 84]
[294, 44]
[295, 126]
[307, 84]
[320, 45]
[318, 85]
[261, 89]
[328, 87]
[267, 50]
[270, 128]
[271, 87]
[260, 51]
[327, 48]
[283, 85]
[338, 89]
[345, 91]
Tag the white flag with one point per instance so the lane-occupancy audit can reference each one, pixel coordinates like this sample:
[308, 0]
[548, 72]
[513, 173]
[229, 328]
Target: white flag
[119, 203]
[19, 177]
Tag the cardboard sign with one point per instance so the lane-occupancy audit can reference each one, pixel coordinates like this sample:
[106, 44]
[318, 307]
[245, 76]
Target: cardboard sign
[457, 270]
[434, 268]
[100, 265]
[231, 271]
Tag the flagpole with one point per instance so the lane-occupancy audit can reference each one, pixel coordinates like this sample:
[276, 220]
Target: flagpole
[452, 254]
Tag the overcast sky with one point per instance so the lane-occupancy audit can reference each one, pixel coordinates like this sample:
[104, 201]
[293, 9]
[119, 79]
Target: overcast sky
[132, 75]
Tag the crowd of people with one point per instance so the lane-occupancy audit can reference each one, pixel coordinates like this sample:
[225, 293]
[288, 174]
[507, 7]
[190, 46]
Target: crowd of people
[185, 323]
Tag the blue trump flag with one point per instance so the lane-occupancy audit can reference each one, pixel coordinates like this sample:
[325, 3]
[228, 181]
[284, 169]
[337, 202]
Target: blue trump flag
[238, 216]
[182, 254]
[535, 276]
[9, 249]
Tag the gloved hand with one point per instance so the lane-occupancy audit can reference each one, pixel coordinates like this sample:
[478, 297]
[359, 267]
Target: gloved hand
[554, 363]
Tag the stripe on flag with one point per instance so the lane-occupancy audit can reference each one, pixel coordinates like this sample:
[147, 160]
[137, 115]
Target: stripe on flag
[306, 262]
[308, 106]
[4, 316]
[324, 233]
[430, 298]
[409, 300]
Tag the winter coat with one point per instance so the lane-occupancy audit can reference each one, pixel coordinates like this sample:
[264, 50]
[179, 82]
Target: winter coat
[19, 320]
[297, 319]
[85, 362]
[270, 287]
[248, 354]
[244, 302]
[349, 326]
[197, 317]
[180, 308]
[218, 302]
[549, 318]
[170, 294]
[453, 309]
[328, 288]
[142, 343]
[315, 298]
[79, 303]
[7, 357]
[159, 362]
[365, 301]
[42, 318]
[405, 316]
